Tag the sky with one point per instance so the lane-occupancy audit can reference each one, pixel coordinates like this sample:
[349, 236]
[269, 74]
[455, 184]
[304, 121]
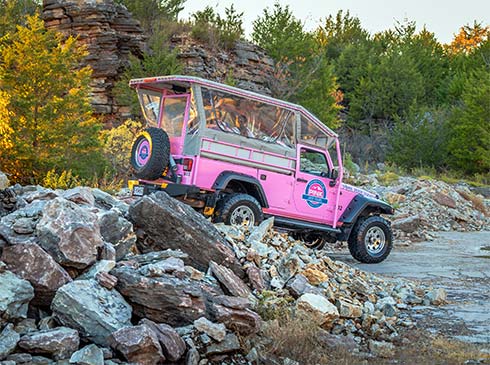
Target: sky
[442, 17]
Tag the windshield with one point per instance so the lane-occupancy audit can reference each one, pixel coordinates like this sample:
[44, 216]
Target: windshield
[150, 105]
[173, 115]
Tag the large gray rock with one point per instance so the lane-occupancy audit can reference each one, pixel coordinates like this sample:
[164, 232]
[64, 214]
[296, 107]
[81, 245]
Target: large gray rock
[15, 295]
[317, 309]
[115, 229]
[8, 201]
[93, 310]
[89, 355]
[60, 342]
[106, 201]
[4, 181]
[8, 341]
[229, 344]
[163, 299]
[138, 345]
[32, 263]
[69, 233]
[173, 346]
[241, 320]
[80, 195]
[162, 222]
[214, 330]
[19, 226]
[230, 281]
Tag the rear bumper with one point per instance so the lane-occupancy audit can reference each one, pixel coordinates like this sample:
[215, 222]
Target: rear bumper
[140, 188]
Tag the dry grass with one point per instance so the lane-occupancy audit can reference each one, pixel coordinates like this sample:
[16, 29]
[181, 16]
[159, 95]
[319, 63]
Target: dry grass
[300, 340]
[425, 349]
[476, 200]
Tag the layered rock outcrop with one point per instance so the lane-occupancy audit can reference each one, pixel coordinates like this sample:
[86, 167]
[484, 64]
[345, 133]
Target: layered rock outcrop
[110, 34]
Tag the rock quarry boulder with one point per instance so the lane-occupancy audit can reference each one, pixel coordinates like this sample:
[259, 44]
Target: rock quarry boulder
[69, 233]
[15, 295]
[32, 263]
[4, 181]
[60, 342]
[173, 346]
[163, 299]
[88, 355]
[8, 341]
[317, 309]
[138, 344]
[94, 311]
[118, 231]
[162, 222]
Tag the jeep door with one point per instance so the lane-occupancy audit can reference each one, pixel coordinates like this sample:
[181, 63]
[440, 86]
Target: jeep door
[314, 197]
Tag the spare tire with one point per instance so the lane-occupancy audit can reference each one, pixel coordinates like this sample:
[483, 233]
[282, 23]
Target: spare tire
[150, 154]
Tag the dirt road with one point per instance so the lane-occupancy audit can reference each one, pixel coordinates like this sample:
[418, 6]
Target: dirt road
[458, 262]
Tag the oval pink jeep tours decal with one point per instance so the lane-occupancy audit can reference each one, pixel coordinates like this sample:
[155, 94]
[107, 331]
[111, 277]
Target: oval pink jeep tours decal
[315, 194]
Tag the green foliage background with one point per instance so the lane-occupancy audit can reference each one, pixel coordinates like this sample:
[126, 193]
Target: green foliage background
[429, 102]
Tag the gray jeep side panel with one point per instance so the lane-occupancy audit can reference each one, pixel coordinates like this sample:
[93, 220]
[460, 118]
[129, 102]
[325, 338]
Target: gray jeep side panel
[225, 177]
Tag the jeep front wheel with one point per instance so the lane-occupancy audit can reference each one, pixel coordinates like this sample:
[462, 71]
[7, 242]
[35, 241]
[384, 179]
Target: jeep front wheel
[371, 240]
[239, 210]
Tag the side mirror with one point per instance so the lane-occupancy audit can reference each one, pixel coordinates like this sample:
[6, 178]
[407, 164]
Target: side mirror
[334, 175]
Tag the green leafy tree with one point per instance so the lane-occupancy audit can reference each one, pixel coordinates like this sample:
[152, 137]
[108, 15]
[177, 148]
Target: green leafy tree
[388, 89]
[469, 142]
[421, 139]
[48, 115]
[218, 31]
[153, 14]
[13, 12]
[281, 34]
[303, 74]
[161, 62]
[339, 32]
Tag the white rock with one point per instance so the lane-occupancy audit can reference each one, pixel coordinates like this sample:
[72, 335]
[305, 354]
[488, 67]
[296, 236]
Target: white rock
[317, 308]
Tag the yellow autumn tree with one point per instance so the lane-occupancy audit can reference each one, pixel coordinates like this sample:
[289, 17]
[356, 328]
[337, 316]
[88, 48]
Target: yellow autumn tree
[469, 38]
[45, 115]
[5, 129]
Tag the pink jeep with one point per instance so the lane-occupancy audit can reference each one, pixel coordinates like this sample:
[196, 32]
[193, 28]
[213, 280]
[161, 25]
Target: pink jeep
[238, 157]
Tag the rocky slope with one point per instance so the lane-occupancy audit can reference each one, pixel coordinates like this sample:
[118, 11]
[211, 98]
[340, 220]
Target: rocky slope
[89, 279]
[424, 206]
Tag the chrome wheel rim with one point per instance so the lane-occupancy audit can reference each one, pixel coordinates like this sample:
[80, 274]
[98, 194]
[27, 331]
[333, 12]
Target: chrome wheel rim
[242, 216]
[375, 240]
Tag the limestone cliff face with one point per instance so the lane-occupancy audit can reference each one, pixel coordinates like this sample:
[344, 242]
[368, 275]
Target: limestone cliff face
[246, 64]
[111, 34]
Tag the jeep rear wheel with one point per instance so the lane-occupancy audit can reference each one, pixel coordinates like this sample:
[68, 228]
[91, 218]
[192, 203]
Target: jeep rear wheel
[371, 240]
[239, 210]
[150, 154]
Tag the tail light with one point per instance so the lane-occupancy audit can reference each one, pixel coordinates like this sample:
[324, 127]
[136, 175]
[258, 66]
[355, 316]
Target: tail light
[187, 165]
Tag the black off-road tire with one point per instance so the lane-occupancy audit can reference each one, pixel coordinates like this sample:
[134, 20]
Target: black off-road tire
[233, 207]
[156, 143]
[365, 234]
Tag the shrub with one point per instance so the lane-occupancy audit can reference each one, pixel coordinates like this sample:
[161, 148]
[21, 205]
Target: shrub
[64, 180]
[217, 31]
[420, 140]
[117, 143]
